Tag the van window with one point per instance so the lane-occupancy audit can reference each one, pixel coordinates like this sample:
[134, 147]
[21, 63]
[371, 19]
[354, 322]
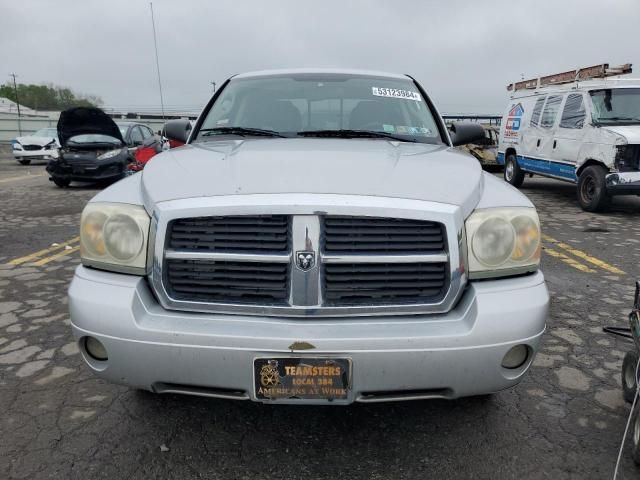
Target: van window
[573, 113]
[550, 111]
[537, 110]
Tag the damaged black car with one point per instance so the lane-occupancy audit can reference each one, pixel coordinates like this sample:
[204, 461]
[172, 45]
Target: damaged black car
[92, 148]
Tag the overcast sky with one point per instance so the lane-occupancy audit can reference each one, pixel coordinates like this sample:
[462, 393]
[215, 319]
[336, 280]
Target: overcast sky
[463, 52]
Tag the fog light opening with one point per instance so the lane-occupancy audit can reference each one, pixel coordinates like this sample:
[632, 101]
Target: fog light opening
[515, 357]
[95, 349]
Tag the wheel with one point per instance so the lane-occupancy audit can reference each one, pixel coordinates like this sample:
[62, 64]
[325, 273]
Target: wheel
[24, 161]
[636, 436]
[629, 381]
[513, 174]
[61, 182]
[592, 191]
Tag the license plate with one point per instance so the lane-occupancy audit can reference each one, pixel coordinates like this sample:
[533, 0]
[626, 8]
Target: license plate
[301, 378]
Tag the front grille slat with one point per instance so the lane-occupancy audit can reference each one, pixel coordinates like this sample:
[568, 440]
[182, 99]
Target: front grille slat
[345, 234]
[384, 283]
[219, 282]
[255, 233]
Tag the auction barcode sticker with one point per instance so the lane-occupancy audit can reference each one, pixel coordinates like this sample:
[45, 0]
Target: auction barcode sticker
[396, 93]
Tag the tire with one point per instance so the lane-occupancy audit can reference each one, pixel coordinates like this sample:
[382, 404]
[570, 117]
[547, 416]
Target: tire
[513, 174]
[61, 182]
[635, 436]
[592, 190]
[629, 381]
[24, 161]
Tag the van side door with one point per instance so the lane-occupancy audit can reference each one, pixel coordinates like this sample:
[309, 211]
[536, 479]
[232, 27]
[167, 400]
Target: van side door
[539, 159]
[531, 133]
[569, 136]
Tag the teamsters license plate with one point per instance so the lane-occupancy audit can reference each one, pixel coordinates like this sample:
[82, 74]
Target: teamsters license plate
[301, 378]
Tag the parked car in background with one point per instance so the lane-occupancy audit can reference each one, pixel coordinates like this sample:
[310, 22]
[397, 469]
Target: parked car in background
[93, 148]
[42, 145]
[578, 126]
[97, 149]
[134, 134]
[485, 150]
[150, 147]
[317, 240]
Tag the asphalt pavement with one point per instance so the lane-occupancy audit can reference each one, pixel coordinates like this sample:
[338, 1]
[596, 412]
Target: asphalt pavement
[565, 420]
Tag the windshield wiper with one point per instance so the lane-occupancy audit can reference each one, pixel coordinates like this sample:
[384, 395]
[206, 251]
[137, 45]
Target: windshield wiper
[242, 131]
[353, 134]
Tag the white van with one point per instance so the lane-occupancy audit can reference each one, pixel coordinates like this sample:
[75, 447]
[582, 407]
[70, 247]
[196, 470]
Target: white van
[579, 126]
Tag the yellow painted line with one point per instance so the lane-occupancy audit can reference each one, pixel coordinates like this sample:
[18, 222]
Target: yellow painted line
[41, 253]
[568, 260]
[584, 256]
[63, 253]
[22, 177]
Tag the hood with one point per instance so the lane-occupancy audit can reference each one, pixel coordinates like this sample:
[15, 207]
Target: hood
[307, 165]
[29, 140]
[630, 132]
[86, 120]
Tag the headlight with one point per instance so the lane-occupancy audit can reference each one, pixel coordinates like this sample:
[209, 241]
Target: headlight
[110, 154]
[114, 237]
[17, 146]
[503, 241]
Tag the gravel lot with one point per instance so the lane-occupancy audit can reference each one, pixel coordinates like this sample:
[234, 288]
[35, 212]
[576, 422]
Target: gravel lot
[565, 420]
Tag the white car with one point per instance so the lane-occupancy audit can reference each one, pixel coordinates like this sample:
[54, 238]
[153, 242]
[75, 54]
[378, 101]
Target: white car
[42, 145]
[578, 126]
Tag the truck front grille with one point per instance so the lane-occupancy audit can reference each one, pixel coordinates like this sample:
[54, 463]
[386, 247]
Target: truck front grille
[306, 265]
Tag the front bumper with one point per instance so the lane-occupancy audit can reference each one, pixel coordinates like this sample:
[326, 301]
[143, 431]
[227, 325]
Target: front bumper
[393, 358]
[35, 154]
[95, 171]
[623, 183]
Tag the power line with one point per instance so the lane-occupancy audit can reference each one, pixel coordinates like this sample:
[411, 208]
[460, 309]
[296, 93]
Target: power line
[155, 43]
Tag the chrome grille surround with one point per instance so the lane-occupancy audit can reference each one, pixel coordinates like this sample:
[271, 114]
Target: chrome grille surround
[306, 210]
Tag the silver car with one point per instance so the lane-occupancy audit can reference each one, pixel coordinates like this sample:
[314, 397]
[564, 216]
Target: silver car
[318, 240]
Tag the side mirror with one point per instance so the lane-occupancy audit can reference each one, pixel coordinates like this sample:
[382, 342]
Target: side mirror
[177, 130]
[463, 133]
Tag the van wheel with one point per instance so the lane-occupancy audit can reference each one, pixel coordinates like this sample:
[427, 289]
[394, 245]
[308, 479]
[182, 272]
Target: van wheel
[636, 438]
[629, 381]
[592, 191]
[513, 174]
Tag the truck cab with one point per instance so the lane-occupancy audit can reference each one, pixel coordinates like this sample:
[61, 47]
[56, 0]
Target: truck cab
[581, 131]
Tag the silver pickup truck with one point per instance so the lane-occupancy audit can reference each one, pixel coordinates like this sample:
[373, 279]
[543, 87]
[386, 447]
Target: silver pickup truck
[317, 240]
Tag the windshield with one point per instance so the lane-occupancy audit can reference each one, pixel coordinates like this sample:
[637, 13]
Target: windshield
[46, 132]
[322, 105]
[616, 105]
[94, 138]
[123, 129]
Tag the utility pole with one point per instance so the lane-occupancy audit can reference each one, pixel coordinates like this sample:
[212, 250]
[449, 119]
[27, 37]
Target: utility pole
[214, 86]
[15, 89]
[155, 43]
